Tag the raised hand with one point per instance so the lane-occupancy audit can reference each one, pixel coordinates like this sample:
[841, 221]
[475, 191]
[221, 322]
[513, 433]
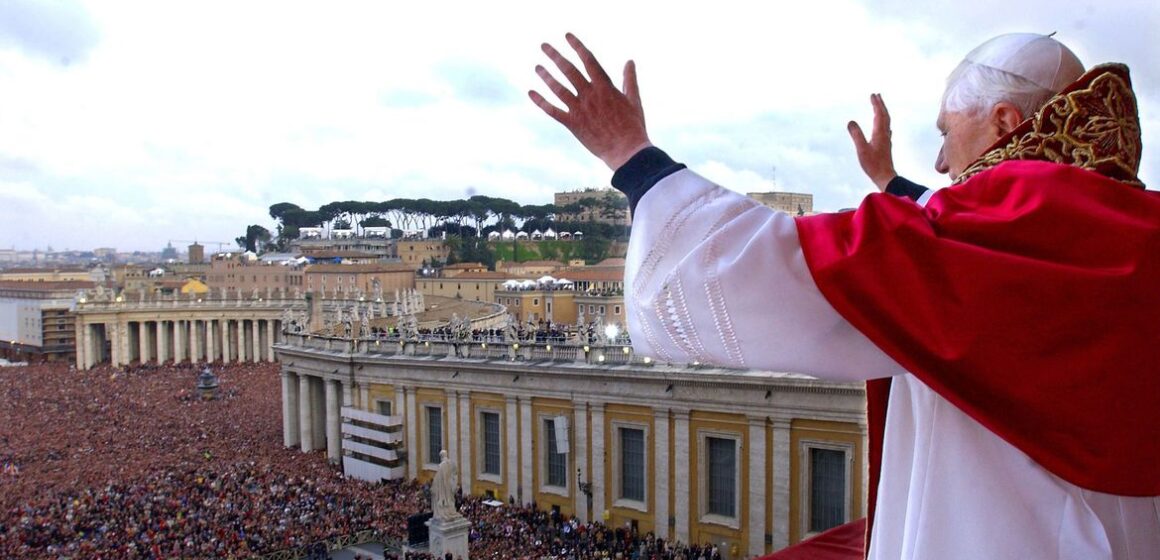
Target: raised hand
[606, 120]
[875, 156]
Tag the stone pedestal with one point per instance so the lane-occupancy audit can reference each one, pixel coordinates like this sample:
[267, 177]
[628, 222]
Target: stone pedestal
[448, 536]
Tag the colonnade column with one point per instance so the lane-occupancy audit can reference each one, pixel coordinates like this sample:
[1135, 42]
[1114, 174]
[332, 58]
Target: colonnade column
[241, 340]
[163, 341]
[511, 423]
[82, 345]
[255, 340]
[413, 454]
[290, 436]
[465, 458]
[210, 346]
[580, 450]
[681, 472]
[333, 427]
[452, 443]
[225, 323]
[781, 458]
[270, 335]
[598, 462]
[305, 409]
[194, 350]
[179, 339]
[142, 341]
[661, 470]
[527, 459]
[318, 410]
[757, 476]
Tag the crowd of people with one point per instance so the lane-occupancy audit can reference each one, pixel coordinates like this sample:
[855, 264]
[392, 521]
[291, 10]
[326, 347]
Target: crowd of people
[132, 463]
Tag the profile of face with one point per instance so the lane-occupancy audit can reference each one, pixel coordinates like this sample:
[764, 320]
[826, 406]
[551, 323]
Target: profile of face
[966, 134]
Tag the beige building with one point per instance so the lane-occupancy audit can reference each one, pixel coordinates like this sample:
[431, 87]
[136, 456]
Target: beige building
[474, 286]
[70, 274]
[795, 204]
[369, 279]
[750, 461]
[235, 274]
[618, 216]
[529, 269]
[415, 252]
[37, 321]
[453, 270]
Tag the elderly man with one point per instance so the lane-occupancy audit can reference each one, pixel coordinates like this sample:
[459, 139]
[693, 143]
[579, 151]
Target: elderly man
[1022, 302]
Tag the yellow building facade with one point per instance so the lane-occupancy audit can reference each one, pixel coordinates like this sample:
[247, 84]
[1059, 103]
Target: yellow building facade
[751, 461]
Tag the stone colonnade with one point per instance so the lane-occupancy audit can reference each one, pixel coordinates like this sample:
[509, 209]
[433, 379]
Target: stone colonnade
[221, 340]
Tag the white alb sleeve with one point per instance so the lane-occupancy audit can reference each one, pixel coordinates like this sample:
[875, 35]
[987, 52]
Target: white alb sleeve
[714, 277]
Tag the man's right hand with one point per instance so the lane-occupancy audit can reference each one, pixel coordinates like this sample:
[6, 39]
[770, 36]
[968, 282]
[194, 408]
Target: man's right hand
[606, 120]
[875, 156]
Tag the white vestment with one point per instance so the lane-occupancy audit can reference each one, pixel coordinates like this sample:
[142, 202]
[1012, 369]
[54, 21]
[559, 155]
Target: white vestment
[715, 277]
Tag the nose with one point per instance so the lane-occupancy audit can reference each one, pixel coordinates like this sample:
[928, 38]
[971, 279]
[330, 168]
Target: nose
[940, 163]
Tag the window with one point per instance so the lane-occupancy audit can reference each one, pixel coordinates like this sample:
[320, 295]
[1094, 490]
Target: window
[549, 307]
[535, 301]
[556, 463]
[602, 310]
[491, 458]
[434, 434]
[632, 464]
[616, 310]
[591, 309]
[384, 408]
[722, 476]
[827, 488]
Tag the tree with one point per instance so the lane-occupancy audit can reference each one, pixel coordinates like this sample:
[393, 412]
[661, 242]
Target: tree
[255, 239]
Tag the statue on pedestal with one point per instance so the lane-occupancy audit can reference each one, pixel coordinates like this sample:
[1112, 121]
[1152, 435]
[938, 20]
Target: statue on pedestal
[443, 490]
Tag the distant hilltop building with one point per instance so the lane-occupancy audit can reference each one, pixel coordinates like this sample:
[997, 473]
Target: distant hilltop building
[794, 204]
[611, 206]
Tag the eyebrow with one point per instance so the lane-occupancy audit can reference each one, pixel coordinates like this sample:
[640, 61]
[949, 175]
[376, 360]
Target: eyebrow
[940, 124]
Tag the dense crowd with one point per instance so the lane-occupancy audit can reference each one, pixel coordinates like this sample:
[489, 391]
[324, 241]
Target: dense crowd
[129, 463]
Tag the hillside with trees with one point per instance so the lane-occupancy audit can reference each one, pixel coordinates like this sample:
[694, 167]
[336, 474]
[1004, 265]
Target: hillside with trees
[466, 223]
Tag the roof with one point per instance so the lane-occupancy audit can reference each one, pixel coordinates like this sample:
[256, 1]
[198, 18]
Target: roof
[42, 270]
[481, 275]
[532, 263]
[339, 254]
[464, 266]
[611, 262]
[590, 274]
[50, 286]
[358, 268]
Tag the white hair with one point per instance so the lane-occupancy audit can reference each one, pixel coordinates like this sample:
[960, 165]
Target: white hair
[974, 87]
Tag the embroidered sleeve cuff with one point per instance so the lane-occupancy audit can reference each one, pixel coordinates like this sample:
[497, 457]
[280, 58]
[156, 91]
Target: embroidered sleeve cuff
[641, 172]
[901, 186]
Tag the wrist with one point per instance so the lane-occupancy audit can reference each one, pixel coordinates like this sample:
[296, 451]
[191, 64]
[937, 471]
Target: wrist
[618, 158]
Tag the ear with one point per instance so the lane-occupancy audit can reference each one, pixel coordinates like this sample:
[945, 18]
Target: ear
[1004, 118]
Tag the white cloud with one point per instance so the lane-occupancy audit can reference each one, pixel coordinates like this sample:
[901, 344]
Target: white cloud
[189, 121]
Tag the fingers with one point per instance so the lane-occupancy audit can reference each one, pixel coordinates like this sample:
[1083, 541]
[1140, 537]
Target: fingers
[569, 70]
[563, 93]
[591, 65]
[881, 132]
[860, 143]
[552, 111]
[630, 88]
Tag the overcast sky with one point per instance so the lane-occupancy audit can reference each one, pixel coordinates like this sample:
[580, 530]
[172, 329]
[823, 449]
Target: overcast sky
[128, 124]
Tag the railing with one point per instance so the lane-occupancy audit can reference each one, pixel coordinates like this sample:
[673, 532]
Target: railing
[610, 353]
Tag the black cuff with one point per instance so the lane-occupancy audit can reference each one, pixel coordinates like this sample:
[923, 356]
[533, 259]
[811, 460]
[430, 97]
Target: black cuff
[901, 186]
[641, 172]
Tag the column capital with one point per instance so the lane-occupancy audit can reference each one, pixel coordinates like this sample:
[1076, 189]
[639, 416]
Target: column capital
[757, 420]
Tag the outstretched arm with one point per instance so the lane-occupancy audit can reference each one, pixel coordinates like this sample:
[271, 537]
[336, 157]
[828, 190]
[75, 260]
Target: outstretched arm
[606, 120]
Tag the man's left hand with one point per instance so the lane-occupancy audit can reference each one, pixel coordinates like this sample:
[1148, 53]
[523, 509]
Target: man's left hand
[608, 121]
